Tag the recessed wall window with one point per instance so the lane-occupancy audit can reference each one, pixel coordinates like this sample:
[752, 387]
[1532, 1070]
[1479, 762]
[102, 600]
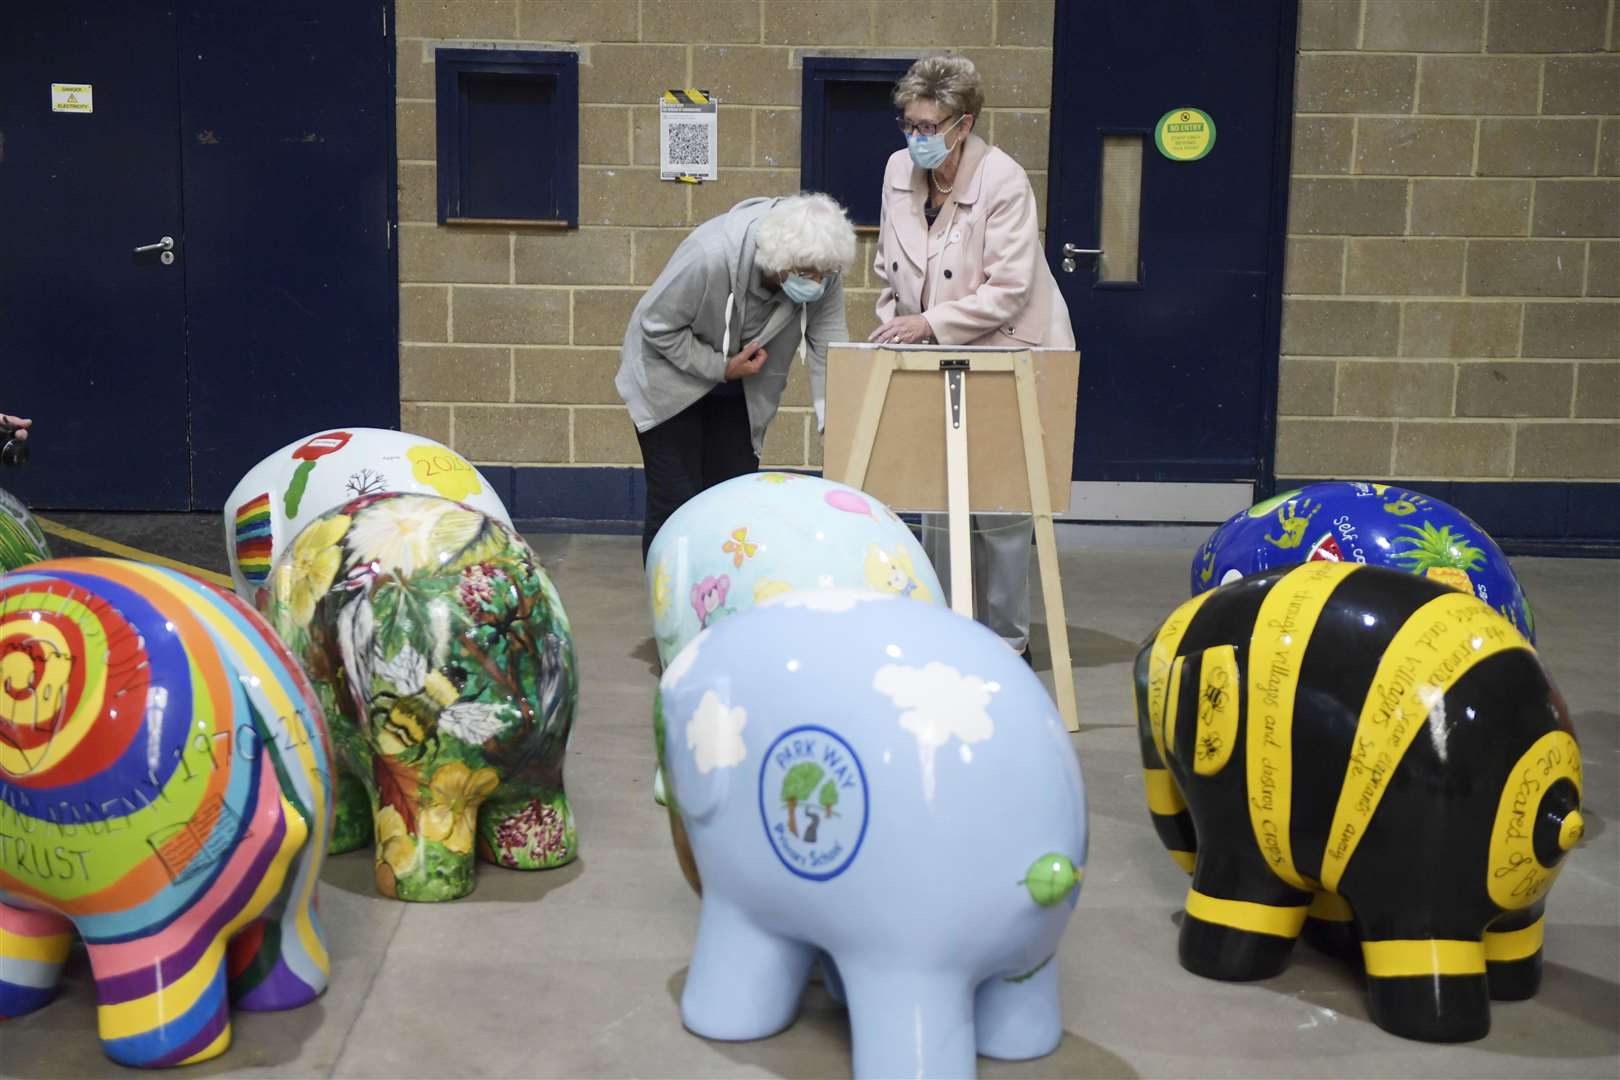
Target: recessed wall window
[508, 133]
[848, 130]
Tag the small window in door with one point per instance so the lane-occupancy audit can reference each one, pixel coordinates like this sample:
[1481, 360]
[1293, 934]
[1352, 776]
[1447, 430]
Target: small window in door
[848, 130]
[508, 135]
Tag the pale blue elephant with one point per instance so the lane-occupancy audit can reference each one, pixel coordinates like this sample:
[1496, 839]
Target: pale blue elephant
[886, 783]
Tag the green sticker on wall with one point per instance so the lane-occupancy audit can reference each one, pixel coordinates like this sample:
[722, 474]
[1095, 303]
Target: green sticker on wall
[1184, 134]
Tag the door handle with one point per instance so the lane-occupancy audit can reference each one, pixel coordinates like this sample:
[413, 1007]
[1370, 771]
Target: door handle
[165, 244]
[1070, 252]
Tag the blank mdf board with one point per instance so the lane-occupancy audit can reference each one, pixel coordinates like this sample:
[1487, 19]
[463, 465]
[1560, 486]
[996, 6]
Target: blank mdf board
[907, 469]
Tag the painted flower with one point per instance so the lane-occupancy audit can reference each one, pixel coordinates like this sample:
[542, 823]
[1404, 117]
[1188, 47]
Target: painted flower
[451, 813]
[474, 722]
[395, 844]
[739, 547]
[316, 557]
[408, 533]
[663, 593]
[478, 584]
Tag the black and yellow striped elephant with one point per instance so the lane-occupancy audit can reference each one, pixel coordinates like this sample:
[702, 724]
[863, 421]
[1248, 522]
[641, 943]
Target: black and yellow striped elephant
[1367, 757]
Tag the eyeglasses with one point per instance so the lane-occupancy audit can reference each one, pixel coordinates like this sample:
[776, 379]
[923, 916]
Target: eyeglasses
[926, 128]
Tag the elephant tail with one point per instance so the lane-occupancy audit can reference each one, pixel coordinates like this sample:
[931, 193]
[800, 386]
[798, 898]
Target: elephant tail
[1165, 801]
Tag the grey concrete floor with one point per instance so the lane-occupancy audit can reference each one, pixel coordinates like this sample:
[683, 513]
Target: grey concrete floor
[578, 972]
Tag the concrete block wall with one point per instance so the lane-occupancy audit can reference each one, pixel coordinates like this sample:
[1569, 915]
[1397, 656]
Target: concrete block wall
[1453, 257]
[510, 337]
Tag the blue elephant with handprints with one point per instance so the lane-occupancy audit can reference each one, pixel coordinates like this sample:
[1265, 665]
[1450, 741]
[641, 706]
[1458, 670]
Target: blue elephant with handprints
[884, 784]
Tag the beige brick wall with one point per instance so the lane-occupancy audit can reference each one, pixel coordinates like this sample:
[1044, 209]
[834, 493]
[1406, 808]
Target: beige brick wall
[1453, 257]
[509, 337]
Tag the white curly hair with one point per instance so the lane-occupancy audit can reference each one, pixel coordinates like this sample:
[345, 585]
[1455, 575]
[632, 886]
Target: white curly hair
[807, 231]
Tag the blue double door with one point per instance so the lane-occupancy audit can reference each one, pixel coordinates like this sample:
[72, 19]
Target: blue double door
[200, 264]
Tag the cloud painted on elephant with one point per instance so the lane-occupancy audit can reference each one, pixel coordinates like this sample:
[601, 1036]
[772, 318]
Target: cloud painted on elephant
[714, 734]
[938, 701]
[825, 599]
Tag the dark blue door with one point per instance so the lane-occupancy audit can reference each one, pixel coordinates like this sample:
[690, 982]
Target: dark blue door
[1177, 321]
[285, 126]
[259, 139]
[92, 335]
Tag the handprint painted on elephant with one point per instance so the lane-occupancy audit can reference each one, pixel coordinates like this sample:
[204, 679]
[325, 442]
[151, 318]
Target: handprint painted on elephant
[1293, 523]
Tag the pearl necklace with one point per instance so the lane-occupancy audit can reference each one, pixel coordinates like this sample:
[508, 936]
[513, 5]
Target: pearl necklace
[943, 190]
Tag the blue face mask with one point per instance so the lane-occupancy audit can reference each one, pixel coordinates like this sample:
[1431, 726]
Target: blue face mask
[929, 150]
[802, 290]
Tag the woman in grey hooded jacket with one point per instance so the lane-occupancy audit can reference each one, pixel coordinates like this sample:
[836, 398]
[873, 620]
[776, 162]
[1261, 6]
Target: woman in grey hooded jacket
[763, 279]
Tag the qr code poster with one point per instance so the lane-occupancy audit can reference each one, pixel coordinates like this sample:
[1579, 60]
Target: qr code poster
[688, 136]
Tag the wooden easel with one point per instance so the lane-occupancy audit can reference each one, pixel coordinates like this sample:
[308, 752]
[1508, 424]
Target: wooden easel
[955, 364]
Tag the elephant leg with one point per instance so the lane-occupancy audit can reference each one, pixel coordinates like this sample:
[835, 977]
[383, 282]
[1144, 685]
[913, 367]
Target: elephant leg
[527, 829]
[683, 851]
[1513, 953]
[744, 982]
[351, 811]
[1418, 987]
[1330, 927]
[33, 947]
[909, 1023]
[171, 1010]
[1019, 1017]
[279, 961]
[1241, 920]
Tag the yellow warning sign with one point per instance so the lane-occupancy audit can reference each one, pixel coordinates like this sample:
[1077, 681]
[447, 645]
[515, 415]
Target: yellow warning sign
[1184, 134]
[70, 97]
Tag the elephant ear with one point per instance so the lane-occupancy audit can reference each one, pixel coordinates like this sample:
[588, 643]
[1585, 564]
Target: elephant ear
[703, 748]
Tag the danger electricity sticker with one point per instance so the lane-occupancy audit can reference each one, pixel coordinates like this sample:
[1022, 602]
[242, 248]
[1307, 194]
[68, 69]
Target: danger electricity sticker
[70, 97]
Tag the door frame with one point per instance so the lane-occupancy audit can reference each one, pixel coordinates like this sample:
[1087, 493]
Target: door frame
[1104, 501]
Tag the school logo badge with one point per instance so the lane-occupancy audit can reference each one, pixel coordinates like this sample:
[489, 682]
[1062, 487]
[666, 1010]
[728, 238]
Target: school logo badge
[813, 801]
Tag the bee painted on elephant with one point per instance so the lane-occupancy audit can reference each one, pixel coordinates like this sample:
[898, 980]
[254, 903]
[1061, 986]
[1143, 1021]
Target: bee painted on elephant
[1372, 759]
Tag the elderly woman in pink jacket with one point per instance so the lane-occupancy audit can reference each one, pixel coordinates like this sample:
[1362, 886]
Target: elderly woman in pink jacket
[959, 255]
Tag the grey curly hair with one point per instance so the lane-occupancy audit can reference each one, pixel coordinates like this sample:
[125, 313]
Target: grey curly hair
[807, 231]
[952, 81]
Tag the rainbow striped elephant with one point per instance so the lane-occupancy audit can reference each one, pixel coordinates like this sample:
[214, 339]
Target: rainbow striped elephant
[165, 795]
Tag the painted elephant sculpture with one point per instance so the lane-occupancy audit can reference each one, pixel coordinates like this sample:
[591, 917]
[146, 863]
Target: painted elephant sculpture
[1377, 524]
[165, 795]
[1373, 758]
[884, 784]
[22, 541]
[761, 535]
[304, 479]
[445, 661]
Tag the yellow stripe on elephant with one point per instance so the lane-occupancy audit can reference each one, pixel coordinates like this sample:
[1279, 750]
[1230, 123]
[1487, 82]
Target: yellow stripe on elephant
[46, 950]
[1439, 643]
[304, 741]
[1330, 908]
[1160, 657]
[221, 1043]
[1409, 959]
[1282, 632]
[168, 1002]
[1244, 915]
[1514, 877]
[1187, 860]
[1217, 710]
[1505, 946]
[1163, 797]
[1172, 705]
[50, 684]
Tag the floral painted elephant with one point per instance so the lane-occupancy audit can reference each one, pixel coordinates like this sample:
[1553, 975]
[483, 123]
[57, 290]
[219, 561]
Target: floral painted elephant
[761, 535]
[446, 664]
[306, 478]
[165, 795]
[886, 784]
